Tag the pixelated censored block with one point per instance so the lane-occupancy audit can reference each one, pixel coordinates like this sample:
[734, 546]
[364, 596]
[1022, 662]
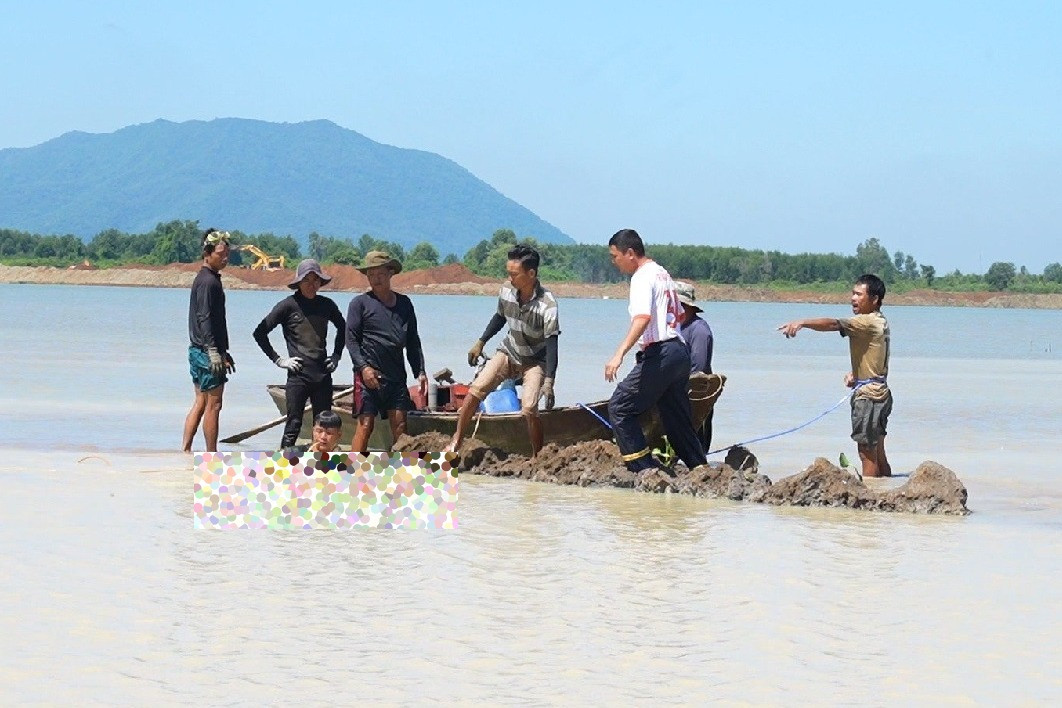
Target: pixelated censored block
[271, 490]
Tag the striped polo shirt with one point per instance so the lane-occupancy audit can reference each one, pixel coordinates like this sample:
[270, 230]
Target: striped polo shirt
[530, 324]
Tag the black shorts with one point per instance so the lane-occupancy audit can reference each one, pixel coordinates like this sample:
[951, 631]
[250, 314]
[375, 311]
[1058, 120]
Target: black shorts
[391, 396]
[870, 420]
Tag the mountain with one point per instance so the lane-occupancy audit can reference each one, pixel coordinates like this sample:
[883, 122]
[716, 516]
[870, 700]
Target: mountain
[255, 176]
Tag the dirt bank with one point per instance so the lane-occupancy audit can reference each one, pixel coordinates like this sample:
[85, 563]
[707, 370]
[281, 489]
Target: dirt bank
[456, 279]
[931, 489]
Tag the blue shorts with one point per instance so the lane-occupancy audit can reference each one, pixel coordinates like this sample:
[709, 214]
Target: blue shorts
[199, 368]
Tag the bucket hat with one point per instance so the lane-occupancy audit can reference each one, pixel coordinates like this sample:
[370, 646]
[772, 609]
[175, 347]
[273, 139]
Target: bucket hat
[375, 259]
[306, 267]
[686, 295]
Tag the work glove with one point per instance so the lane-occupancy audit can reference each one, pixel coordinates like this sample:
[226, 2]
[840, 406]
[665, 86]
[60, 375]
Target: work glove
[331, 363]
[217, 364]
[230, 365]
[291, 363]
[475, 352]
[547, 393]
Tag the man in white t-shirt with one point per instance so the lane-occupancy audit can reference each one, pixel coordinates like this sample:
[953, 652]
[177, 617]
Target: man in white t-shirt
[662, 373]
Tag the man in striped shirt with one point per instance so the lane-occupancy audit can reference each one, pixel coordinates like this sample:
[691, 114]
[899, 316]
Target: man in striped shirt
[529, 350]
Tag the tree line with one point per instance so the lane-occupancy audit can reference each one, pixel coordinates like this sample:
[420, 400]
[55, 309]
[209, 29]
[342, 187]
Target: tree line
[179, 242]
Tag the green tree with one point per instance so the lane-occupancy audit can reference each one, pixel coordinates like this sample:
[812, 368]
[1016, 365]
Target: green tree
[910, 268]
[872, 257]
[929, 273]
[1053, 273]
[108, 245]
[342, 252]
[423, 255]
[450, 259]
[1000, 275]
[316, 246]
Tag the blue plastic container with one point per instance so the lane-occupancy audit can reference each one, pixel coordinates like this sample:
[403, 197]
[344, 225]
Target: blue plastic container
[501, 400]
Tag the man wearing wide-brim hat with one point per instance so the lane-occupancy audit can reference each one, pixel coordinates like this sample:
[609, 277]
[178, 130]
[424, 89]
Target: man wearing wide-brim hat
[698, 337]
[381, 326]
[304, 318]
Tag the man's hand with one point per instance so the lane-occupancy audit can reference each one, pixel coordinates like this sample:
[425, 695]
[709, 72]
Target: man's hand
[790, 329]
[292, 364]
[331, 363]
[849, 379]
[217, 364]
[230, 365]
[369, 378]
[422, 380]
[612, 367]
[475, 352]
[547, 393]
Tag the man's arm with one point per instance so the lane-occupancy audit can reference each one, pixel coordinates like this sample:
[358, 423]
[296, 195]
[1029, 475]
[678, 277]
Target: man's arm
[493, 327]
[820, 324]
[414, 347]
[551, 357]
[204, 325]
[354, 334]
[634, 333]
[336, 317]
[261, 332]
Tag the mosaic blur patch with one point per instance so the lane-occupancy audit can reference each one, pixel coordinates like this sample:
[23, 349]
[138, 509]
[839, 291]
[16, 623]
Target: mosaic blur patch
[271, 490]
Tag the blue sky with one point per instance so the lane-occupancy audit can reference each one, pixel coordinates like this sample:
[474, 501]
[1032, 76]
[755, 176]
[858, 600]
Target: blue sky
[800, 126]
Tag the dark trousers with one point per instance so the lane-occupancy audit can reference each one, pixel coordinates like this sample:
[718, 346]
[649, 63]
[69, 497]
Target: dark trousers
[661, 378]
[297, 391]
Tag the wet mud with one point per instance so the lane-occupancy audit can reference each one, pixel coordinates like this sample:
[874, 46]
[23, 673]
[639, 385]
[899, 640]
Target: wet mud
[930, 489]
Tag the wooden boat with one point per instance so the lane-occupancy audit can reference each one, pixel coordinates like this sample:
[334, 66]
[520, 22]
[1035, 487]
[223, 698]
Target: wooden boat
[564, 425]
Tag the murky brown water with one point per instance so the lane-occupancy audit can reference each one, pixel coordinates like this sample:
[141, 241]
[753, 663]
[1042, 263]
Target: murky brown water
[544, 594]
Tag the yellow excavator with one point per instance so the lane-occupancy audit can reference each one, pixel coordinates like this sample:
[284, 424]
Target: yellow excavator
[263, 261]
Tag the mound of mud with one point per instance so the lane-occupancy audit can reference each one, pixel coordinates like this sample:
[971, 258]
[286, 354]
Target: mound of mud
[931, 489]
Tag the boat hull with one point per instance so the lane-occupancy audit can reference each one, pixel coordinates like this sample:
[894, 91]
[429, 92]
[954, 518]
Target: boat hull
[565, 425]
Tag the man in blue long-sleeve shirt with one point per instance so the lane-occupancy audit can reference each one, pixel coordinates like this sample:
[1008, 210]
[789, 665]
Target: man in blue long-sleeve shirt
[698, 337]
[380, 325]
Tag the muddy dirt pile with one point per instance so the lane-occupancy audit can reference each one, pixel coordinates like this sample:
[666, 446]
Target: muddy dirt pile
[931, 489]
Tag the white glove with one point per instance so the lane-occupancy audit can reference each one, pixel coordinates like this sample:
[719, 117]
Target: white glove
[292, 363]
[217, 364]
[547, 393]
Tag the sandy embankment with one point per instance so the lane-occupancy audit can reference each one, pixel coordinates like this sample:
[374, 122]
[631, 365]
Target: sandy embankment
[456, 279]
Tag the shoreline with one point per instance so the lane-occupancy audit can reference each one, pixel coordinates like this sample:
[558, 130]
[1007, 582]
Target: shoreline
[457, 280]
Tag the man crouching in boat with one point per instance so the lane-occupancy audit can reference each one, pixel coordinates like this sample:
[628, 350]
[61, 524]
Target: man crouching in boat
[327, 427]
[868, 345]
[529, 350]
